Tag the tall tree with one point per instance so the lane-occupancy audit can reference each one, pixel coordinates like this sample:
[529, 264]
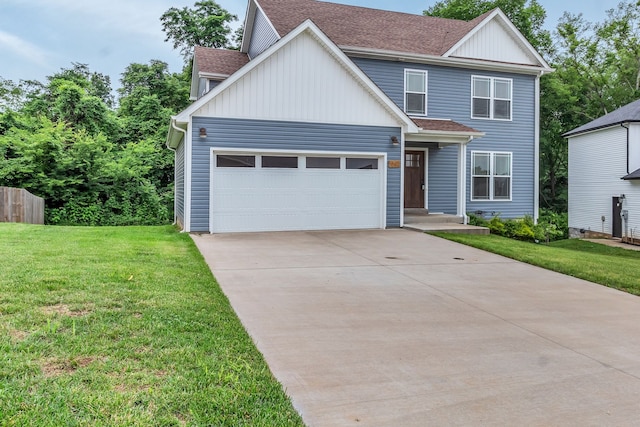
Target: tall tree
[206, 24]
[597, 69]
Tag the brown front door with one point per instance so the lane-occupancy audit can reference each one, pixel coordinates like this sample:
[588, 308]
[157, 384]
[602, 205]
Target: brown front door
[414, 179]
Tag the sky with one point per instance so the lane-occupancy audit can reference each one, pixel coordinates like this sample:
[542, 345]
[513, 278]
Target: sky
[39, 37]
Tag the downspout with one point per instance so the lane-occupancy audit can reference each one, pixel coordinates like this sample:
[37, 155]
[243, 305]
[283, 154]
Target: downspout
[627, 128]
[465, 218]
[536, 149]
[175, 190]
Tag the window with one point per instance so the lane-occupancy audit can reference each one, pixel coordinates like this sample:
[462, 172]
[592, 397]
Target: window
[323, 162]
[415, 92]
[411, 160]
[361, 163]
[491, 98]
[228, 161]
[284, 162]
[490, 176]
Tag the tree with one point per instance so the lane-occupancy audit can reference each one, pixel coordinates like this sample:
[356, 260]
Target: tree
[597, 70]
[149, 96]
[207, 24]
[527, 15]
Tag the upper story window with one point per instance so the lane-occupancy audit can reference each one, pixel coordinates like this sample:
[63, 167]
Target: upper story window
[491, 98]
[415, 92]
[491, 176]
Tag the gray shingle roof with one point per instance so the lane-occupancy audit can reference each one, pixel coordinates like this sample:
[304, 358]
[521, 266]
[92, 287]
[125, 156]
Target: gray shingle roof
[628, 113]
[443, 125]
[371, 28]
[219, 61]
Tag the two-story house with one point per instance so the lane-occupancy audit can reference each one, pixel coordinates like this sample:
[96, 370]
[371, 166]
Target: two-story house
[340, 117]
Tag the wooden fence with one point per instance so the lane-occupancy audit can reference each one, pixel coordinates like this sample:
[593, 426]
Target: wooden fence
[18, 205]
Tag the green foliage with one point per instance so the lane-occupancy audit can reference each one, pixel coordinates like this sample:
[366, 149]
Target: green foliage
[207, 24]
[496, 226]
[551, 226]
[85, 179]
[91, 164]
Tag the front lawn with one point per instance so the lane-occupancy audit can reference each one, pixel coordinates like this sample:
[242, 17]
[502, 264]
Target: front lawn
[123, 326]
[609, 266]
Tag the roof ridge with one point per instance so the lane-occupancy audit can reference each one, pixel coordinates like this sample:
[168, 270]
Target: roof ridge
[388, 11]
[349, 25]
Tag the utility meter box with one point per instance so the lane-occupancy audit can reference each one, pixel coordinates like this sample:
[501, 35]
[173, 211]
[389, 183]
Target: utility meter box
[624, 214]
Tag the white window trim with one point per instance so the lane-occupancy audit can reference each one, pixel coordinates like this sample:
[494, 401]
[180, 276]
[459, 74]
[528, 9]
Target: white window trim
[492, 97]
[491, 175]
[425, 73]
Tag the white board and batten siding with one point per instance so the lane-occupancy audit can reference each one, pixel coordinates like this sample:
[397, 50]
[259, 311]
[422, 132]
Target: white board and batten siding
[493, 42]
[597, 161]
[301, 82]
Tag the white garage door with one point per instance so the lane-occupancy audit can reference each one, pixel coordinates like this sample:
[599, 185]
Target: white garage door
[278, 192]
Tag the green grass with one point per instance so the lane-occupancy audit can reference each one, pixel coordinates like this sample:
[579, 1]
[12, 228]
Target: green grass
[613, 267]
[123, 326]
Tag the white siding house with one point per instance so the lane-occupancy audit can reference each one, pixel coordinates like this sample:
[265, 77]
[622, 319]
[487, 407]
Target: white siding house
[604, 175]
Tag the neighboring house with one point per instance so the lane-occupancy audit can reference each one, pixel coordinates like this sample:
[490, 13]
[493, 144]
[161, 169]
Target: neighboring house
[604, 175]
[338, 117]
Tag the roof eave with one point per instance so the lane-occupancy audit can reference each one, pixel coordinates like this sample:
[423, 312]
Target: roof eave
[443, 137]
[213, 76]
[249, 17]
[572, 133]
[440, 60]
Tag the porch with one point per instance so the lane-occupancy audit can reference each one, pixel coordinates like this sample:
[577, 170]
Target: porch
[423, 221]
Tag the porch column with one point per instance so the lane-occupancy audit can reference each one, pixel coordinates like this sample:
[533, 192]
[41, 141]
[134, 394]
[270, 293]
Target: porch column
[462, 182]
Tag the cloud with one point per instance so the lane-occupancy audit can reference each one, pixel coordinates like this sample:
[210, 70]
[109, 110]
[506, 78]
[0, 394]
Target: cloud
[24, 48]
[141, 17]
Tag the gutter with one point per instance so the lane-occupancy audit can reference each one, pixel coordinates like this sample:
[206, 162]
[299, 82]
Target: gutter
[447, 61]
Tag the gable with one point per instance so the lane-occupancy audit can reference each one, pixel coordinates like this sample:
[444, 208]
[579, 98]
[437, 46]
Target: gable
[495, 42]
[301, 80]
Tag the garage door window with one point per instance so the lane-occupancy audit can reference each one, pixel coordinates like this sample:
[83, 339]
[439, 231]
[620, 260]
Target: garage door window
[285, 162]
[361, 163]
[323, 162]
[228, 161]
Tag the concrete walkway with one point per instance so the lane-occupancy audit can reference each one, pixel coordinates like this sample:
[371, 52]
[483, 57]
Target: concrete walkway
[398, 328]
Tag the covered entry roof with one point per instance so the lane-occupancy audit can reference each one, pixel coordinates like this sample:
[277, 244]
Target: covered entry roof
[443, 131]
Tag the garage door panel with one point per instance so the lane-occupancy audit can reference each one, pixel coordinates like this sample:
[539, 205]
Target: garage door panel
[265, 199]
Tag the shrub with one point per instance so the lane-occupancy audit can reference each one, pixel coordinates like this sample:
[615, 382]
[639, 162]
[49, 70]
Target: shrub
[551, 226]
[496, 226]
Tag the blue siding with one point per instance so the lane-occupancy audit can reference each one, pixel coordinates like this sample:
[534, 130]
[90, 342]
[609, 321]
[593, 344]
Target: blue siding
[443, 180]
[449, 97]
[261, 134]
[179, 184]
[262, 36]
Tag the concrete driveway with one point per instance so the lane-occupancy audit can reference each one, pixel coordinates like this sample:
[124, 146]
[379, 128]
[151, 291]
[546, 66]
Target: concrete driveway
[398, 328]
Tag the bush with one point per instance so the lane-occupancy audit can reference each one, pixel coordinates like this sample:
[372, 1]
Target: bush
[551, 226]
[496, 226]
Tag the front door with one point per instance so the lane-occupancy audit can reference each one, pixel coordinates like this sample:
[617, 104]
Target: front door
[616, 220]
[414, 179]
